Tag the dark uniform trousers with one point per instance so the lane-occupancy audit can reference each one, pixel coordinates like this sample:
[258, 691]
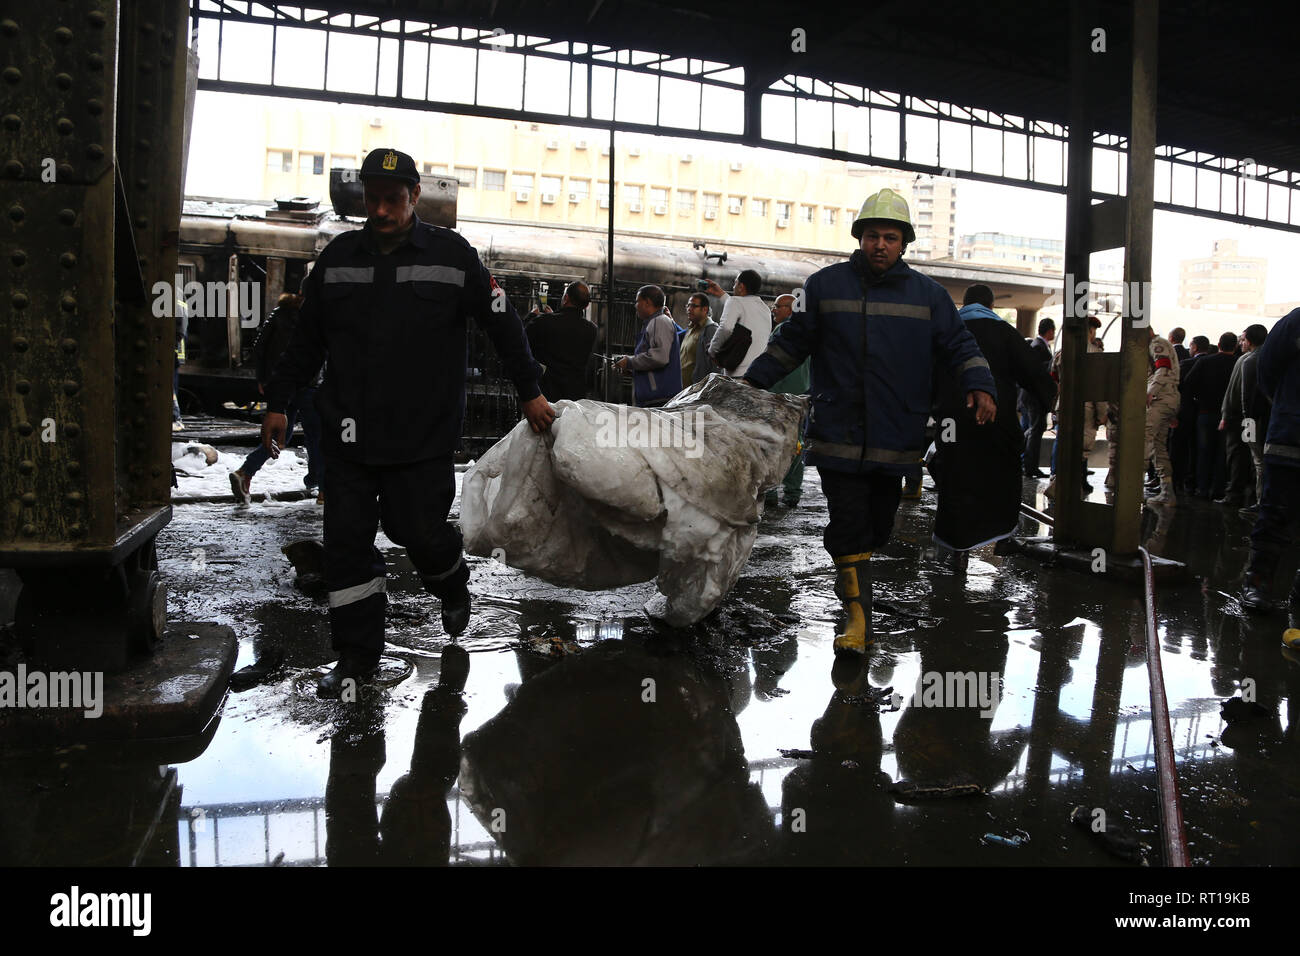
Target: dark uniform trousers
[1276, 524]
[412, 502]
[862, 508]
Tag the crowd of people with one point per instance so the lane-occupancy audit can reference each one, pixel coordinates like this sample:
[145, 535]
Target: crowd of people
[879, 347]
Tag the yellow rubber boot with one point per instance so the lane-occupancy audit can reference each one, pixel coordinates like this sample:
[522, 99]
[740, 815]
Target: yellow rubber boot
[853, 588]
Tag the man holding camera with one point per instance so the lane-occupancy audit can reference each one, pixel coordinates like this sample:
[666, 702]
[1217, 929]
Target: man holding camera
[743, 308]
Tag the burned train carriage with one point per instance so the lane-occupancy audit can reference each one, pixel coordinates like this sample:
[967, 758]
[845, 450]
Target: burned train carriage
[237, 258]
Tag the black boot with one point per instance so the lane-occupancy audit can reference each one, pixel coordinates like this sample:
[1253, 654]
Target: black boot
[1254, 594]
[455, 612]
[258, 672]
[452, 589]
[350, 674]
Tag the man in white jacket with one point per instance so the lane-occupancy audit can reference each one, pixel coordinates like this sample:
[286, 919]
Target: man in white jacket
[742, 307]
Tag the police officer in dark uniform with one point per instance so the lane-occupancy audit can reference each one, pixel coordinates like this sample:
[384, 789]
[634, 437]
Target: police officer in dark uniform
[387, 305]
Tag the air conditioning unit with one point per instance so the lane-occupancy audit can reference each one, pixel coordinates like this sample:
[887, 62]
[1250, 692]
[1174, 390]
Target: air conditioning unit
[634, 151]
[552, 144]
[661, 209]
[580, 144]
[734, 208]
[634, 207]
[782, 223]
[604, 202]
[736, 167]
[548, 198]
[710, 214]
[604, 150]
[574, 197]
[522, 195]
[376, 121]
[688, 158]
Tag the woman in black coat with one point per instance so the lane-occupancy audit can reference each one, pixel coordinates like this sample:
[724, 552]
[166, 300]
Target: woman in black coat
[977, 468]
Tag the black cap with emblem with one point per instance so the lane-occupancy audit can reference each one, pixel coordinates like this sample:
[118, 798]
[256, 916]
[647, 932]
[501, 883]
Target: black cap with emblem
[390, 164]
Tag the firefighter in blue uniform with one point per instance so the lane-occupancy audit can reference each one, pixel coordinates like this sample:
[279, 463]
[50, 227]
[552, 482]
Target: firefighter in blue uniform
[873, 327]
[387, 305]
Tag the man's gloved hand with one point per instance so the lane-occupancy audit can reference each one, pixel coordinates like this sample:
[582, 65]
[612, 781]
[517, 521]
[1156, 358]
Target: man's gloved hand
[537, 410]
[273, 429]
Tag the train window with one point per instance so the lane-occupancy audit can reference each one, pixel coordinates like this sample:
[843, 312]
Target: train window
[494, 180]
[279, 160]
[311, 164]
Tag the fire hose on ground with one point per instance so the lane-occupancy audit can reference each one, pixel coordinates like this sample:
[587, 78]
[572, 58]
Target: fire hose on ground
[1173, 836]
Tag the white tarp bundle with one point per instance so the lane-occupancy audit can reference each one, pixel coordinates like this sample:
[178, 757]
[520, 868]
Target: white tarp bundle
[617, 495]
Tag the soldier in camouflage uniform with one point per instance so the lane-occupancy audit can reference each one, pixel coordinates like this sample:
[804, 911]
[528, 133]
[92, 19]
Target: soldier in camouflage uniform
[1162, 410]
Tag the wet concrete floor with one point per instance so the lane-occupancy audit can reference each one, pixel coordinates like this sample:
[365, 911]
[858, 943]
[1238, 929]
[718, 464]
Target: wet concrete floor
[588, 735]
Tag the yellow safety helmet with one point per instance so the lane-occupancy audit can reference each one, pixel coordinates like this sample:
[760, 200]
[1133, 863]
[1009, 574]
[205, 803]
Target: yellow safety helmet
[887, 205]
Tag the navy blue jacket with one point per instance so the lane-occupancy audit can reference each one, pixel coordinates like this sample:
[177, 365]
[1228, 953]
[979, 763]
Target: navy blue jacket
[394, 328]
[873, 341]
[1278, 369]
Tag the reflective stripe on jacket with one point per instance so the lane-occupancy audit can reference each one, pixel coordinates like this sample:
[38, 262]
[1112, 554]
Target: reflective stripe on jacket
[873, 341]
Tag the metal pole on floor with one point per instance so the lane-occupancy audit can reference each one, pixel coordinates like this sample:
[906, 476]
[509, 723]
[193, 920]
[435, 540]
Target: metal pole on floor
[1172, 835]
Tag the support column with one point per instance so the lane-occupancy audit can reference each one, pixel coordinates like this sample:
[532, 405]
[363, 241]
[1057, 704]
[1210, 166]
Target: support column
[1130, 459]
[1089, 228]
[1027, 322]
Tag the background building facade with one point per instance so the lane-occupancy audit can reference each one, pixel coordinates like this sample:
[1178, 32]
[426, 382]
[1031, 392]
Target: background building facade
[559, 175]
[1225, 281]
[1013, 252]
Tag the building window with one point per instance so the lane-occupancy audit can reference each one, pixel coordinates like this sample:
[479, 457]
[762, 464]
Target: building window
[632, 194]
[494, 180]
[828, 216]
[712, 202]
[807, 213]
[311, 164]
[759, 208]
[686, 200]
[658, 196]
[521, 182]
[735, 205]
[343, 162]
[551, 184]
[279, 161]
[579, 189]
[466, 176]
[783, 210]
[602, 191]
